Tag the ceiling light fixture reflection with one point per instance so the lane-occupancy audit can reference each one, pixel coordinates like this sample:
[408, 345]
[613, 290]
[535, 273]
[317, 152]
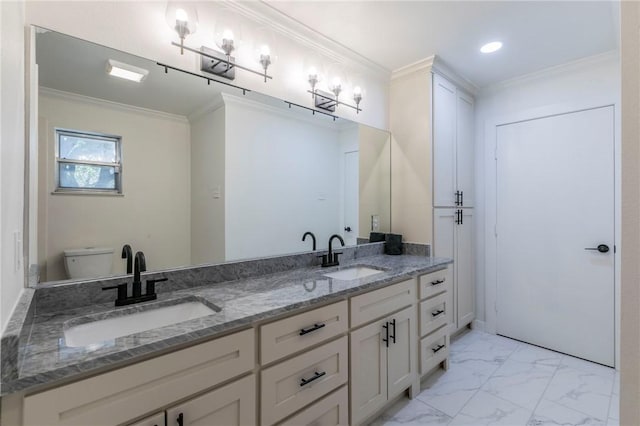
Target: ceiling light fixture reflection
[491, 47]
[126, 71]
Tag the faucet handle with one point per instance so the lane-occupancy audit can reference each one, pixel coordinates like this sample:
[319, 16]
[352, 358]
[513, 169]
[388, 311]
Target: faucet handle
[151, 285]
[122, 291]
[325, 259]
[335, 256]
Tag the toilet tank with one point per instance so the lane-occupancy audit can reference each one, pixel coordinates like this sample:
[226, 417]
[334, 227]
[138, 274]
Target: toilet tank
[89, 262]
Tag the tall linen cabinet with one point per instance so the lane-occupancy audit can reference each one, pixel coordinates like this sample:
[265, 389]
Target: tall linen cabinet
[433, 197]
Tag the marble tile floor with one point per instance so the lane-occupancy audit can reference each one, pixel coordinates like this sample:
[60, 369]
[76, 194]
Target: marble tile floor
[493, 380]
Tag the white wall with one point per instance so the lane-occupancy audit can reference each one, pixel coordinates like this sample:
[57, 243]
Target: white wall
[586, 83]
[12, 144]
[208, 187]
[139, 27]
[282, 179]
[154, 213]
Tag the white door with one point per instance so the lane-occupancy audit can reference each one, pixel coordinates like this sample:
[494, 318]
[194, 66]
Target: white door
[351, 198]
[555, 203]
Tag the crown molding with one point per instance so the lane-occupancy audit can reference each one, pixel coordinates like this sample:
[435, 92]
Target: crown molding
[265, 14]
[445, 70]
[567, 67]
[422, 64]
[433, 63]
[74, 97]
[205, 109]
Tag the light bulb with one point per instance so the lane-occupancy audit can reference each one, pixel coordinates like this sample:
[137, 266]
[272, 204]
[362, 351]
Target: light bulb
[265, 51]
[181, 15]
[336, 83]
[313, 72]
[357, 91]
[227, 35]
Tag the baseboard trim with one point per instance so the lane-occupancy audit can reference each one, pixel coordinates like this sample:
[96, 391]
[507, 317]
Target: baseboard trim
[478, 325]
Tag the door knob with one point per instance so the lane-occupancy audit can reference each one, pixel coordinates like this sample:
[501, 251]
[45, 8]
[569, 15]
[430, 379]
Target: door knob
[348, 229]
[602, 248]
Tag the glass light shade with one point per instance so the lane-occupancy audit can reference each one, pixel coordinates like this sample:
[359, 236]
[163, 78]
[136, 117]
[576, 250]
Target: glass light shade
[182, 17]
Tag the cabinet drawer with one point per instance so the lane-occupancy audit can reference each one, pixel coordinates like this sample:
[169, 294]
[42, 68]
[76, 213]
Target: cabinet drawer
[299, 381]
[290, 335]
[118, 396]
[434, 349]
[332, 410]
[376, 304]
[434, 283]
[434, 313]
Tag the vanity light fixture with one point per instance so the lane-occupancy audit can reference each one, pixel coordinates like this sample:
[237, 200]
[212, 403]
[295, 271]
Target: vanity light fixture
[491, 47]
[182, 17]
[265, 59]
[126, 71]
[222, 63]
[313, 80]
[329, 101]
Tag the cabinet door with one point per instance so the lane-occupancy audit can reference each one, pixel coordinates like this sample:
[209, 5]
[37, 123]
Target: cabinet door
[233, 404]
[444, 238]
[464, 265]
[444, 142]
[368, 371]
[401, 355]
[465, 148]
[155, 420]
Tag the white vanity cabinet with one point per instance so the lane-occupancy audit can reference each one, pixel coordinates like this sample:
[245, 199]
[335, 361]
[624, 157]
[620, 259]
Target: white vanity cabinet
[382, 353]
[119, 396]
[453, 150]
[436, 313]
[454, 238]
[230, 405]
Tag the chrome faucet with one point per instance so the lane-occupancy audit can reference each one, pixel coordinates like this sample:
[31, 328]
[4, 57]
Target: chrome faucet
[331, 258]
[140, 265]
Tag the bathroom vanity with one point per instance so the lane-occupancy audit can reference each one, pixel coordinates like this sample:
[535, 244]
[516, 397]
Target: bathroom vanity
[287, 347]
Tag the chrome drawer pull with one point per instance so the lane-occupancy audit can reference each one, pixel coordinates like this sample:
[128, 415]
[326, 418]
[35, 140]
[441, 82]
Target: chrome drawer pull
[438, 312]
[437, 349]
[438, 281]
[310, 329]
[316, 376]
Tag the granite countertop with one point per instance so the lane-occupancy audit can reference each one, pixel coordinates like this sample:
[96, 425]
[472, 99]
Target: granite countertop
[46, 358]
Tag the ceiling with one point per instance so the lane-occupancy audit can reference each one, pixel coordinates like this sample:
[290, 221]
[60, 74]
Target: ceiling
[536, 34]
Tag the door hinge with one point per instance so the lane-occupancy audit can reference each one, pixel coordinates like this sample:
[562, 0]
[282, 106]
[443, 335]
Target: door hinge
[615, 249]
[495, 229]
[495, 153]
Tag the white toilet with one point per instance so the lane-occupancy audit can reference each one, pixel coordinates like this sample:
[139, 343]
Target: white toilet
[90, 262]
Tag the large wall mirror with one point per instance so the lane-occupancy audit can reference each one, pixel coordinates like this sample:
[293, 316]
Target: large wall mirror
[188, 173]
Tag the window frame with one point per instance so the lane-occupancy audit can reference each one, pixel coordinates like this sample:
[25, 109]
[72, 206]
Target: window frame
[117, 191]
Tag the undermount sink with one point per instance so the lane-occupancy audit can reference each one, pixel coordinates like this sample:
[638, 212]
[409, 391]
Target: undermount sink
[353, 273]
[93, 332]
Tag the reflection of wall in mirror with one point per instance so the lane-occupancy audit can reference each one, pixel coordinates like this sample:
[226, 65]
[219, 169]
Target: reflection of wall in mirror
[375, 180]
[152, 216]
[282, 179]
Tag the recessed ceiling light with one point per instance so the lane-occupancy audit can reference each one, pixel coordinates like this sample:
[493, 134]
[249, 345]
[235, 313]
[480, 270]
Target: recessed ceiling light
[126, 71]
[491, 47]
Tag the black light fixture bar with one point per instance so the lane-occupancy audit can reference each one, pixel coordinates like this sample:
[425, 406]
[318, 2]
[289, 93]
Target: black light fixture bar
[330, 102]
[313, 111]
[209, 80]
[227, 62]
